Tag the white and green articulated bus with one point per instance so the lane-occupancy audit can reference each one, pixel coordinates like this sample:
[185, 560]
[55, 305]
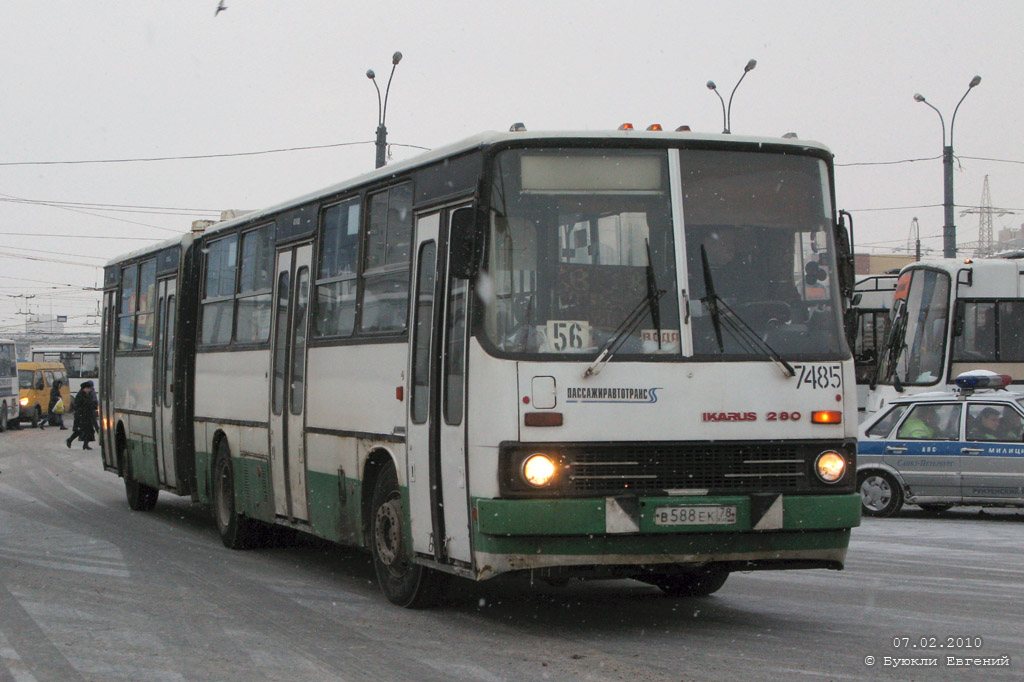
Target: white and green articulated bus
[579, 355]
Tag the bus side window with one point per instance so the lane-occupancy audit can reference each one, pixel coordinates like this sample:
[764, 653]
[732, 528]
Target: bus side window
[335, 309]
[1011, 331]
[218, 301]
[386, 295]
[977, 341]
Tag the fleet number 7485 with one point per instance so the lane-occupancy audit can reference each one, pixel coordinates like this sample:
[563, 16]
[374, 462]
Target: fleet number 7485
[818, 376]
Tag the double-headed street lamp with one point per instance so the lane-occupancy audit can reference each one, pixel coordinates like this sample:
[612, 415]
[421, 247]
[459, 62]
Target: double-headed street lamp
[382, 109]
[948, 229]
[727, 114]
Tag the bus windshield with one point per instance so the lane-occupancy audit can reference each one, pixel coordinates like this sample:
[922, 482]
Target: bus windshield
[580, 238]
[918, 346]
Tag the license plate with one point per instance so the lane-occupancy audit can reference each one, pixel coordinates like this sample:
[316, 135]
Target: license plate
[696, 515]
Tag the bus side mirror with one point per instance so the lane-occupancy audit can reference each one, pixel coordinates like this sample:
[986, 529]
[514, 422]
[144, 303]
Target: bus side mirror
[464, 244]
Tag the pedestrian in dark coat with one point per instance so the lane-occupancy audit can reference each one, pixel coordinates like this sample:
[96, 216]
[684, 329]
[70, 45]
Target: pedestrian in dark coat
[54, 418]
[84, 406]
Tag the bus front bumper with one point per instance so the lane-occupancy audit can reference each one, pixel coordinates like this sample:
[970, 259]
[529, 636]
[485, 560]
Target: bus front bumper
[753, 532]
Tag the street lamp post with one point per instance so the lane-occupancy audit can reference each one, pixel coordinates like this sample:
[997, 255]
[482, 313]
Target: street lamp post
[727, 113]
[948, 228]
[382, 109]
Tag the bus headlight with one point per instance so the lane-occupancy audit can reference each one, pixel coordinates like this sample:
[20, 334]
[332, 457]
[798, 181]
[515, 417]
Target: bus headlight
[538, 470]
[830, 466]
[23, 402]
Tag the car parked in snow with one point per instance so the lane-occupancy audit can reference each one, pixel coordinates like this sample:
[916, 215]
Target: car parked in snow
[939, 450]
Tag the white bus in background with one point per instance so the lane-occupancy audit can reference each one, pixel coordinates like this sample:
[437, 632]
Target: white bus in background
[950, 316]
[581, 355]
[872, 303]
[82, 363]
[8, 383]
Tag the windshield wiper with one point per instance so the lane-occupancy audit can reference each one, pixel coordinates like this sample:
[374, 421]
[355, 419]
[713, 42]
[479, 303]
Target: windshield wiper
[653, 294]
[737, 327]
[895, 346]
[711, 299]
[647, 306]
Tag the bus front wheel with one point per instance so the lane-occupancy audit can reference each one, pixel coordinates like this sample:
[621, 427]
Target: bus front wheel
[141, 497]
[403, 582]
[37, 414]
[236, 531]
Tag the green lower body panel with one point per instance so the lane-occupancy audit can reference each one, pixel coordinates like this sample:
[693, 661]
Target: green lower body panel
[254, 495]
[334, 504]
[204, 477]
[142, 461]
[776, 531]
[334, 500]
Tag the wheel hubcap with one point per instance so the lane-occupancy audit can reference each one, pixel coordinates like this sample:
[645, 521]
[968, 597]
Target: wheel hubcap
[388, 535]
[875, 493]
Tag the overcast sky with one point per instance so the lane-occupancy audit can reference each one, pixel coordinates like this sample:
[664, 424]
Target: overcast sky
[140, 79]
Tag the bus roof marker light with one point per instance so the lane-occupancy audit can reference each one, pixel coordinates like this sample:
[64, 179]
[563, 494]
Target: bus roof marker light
[655, 127]
[626, 126]
[683, 129]
[518, 127]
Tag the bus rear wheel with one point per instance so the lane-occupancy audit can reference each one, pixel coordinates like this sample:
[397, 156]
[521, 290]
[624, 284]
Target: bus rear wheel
[3, 417]
[37, 415]
[698, 583]
[236, 531]
[403, 582]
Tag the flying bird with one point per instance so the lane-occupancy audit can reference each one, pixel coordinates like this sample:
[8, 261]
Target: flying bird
[220, 8]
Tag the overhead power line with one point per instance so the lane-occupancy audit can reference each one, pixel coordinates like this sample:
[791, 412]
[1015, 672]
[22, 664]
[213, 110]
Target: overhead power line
[80, 236]
[984, 158]
[55, 253]
[905, 208]
[160, 210]
[204, 156]
[46, 281]
[927, 158]
[21, 256]
[887, 163]
[99, 215]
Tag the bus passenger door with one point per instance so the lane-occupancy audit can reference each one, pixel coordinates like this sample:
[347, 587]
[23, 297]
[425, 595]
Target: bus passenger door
[106, 392]
[288, 382]
[439, 506]
[163, 387]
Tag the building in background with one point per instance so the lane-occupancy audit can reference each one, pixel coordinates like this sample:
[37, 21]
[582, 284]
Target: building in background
[880, 263]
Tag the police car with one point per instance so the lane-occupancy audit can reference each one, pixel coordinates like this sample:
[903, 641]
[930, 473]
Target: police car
[938, 450]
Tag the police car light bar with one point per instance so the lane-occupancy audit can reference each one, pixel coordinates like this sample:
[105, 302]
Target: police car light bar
[980, 378]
